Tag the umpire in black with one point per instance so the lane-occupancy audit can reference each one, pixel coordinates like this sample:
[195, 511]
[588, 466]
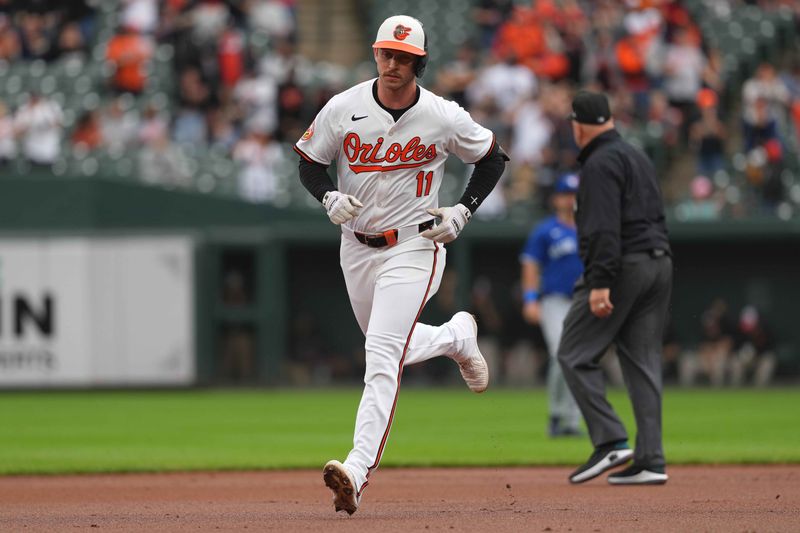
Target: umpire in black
[622, 297]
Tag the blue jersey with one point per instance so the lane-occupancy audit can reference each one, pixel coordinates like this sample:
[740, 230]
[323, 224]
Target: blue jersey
[554, 246]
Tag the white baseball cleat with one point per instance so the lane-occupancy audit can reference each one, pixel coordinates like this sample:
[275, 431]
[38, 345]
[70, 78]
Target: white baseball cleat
[338, 479]
[639, 475]
[470, 360]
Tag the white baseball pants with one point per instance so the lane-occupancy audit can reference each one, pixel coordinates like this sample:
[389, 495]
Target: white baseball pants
[388, 288]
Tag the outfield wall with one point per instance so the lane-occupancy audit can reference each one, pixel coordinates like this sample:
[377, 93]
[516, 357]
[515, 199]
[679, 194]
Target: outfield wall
[96, 311]
[289, 298]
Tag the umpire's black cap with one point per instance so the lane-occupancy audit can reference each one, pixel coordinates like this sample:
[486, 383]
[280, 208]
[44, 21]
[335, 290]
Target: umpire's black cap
[590, 108]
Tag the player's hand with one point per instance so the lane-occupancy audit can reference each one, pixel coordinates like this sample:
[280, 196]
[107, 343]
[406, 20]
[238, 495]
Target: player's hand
[600, 302]
[453, 221]
[532, 312]
[341, 207]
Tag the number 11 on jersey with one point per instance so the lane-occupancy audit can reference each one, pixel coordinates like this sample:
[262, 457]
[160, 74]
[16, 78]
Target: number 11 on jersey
[426, 180]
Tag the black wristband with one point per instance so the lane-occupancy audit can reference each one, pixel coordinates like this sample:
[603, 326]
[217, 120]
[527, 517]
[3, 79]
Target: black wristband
[484, 178]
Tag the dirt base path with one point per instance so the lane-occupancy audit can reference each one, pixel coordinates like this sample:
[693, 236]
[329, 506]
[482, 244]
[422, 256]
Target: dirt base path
[721, 498]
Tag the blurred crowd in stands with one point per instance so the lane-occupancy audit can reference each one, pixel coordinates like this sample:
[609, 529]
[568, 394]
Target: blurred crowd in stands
[665, 79]
[240, 89]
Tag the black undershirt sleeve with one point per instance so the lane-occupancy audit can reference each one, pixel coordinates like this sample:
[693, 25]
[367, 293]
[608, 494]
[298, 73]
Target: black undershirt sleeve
[315, 179]
[484, 178]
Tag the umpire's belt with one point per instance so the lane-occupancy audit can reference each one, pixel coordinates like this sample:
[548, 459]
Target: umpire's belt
[390, 237]
[654, 253]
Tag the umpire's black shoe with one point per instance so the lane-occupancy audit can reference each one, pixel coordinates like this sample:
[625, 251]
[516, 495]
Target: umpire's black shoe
[639, 475]
[604, 457]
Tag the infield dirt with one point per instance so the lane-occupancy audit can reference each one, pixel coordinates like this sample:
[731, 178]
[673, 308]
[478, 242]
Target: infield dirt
[697, 498]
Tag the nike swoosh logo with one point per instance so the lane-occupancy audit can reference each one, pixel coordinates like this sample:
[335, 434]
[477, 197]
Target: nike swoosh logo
[354, 118]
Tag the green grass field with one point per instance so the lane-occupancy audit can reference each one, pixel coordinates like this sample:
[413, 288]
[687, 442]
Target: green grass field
[62, 432]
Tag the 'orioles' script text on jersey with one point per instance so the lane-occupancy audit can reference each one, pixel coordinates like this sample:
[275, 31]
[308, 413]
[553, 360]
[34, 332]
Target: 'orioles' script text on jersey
[412, 155]
[394, 168]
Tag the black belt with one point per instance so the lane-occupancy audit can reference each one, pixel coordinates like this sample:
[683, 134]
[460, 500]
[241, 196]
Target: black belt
[655, 253]
[388, 237]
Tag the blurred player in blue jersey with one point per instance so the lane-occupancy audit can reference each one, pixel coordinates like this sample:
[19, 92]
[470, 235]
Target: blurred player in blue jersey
[550, 267]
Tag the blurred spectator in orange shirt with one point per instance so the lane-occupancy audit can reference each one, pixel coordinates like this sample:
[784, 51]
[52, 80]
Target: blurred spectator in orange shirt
[796, 120]
[87, 134]
[531, 36]
[231, 56]
[632, 63]
[521, 36]
[10, 45]
[129, 52]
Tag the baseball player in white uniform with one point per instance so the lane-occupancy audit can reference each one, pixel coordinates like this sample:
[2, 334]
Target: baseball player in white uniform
[390, 139]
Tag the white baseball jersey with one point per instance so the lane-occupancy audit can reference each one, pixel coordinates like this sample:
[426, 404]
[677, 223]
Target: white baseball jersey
[394, 168]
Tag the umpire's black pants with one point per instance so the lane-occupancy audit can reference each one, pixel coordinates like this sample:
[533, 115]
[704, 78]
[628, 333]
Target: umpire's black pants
[640, 295]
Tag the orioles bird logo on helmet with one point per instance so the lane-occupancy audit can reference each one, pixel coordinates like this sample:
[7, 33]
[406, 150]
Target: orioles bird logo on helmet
[401, 32]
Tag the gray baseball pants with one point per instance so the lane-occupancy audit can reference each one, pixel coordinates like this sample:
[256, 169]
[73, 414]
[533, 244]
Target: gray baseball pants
[640, 295]
[560, 400]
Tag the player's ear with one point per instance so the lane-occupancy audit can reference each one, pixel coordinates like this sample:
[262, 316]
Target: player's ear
[576, 133]
[375, 52]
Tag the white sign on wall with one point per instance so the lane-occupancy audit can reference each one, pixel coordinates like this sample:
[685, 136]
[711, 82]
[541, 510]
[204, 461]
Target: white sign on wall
[96, 311]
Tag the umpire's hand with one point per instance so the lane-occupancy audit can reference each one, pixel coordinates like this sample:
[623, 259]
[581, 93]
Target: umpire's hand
[600, 303]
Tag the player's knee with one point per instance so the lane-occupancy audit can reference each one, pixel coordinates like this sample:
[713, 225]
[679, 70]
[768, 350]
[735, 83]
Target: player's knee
[383, 354]
[376, 372]
[384, 345]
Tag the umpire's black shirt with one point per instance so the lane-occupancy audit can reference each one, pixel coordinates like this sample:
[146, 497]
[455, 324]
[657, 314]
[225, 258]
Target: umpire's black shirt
[620, 210]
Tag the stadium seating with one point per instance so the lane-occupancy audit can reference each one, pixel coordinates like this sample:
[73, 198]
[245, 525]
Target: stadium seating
[745, 36]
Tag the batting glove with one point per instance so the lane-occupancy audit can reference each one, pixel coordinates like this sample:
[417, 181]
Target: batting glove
[453, 221]
[341, 207]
